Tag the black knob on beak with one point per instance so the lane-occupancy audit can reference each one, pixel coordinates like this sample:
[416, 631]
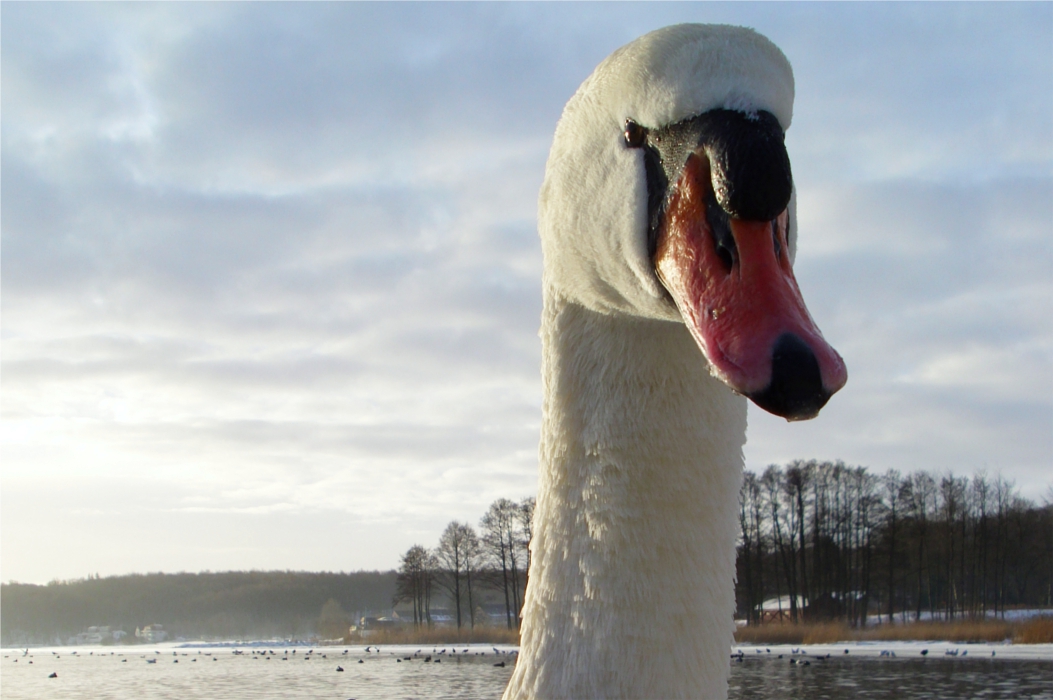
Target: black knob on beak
[796, 389]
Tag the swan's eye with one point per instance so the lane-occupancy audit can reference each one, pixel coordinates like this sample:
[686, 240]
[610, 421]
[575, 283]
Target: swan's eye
[720, 229]
[635, 135]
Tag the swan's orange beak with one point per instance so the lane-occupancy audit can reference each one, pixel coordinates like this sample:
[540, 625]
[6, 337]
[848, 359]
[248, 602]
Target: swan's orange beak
[734, 286]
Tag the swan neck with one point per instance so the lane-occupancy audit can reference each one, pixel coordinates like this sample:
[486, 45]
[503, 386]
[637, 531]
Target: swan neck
[631, 581]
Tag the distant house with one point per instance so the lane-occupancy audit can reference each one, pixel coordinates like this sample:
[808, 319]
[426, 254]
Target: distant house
[92, 635]
[778, 609]
[151, 634]
[829, 606]
[369, 625]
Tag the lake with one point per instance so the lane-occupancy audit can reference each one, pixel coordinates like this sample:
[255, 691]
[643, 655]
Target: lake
[273, 672]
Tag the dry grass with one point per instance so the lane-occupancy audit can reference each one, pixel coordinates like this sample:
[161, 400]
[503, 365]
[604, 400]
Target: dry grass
[772, 634]
[822, 633]
[1038, 630]
[1035, 631]
[962, 631]
[826, 633]
[439, 635]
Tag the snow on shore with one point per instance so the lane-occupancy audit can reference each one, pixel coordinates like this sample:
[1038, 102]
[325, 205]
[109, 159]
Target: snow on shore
[903, 650]
[870, 649]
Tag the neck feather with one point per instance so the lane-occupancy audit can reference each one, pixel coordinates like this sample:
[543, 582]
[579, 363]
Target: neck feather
[631, 584]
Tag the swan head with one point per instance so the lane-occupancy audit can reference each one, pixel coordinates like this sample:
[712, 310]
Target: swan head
[668, 194]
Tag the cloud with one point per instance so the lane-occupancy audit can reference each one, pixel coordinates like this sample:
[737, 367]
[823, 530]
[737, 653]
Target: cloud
[919, 93]
[940, 298]
[274, 268]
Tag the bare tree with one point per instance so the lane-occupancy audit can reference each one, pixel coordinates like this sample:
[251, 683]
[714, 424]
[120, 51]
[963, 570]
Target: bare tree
[893, 492]
[952, 506]
[456, 554]
[868, 505]
[798, 476]
[772, 482]
[1003, 493]
[981, 494]
[953, 546]
[413, 582]
[751, 559]
[526, 536]
[922, 490]
[499, 541]
[472, 561]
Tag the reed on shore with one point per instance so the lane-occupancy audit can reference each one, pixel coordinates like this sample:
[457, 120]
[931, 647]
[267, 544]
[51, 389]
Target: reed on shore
[437, 635]
[1037, 630]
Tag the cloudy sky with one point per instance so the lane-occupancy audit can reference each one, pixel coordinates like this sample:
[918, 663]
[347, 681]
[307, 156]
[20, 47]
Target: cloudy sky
[271, 280]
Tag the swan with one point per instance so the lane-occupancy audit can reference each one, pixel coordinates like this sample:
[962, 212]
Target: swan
[667, 222]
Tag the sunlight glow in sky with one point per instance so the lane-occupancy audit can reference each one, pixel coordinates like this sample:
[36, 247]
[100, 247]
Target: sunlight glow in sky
[271, 280]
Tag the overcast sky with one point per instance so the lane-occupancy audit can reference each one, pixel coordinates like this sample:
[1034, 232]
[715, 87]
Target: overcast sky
[271, 278]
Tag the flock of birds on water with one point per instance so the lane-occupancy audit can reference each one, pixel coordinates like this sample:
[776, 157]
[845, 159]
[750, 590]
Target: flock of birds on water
[434, 657]
[798, 656]
[741, 656]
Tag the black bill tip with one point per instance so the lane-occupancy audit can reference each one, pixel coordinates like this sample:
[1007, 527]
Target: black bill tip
[796, 390]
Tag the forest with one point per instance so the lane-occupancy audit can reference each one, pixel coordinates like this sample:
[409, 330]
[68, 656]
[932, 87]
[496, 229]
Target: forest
[837, 542]
[229, 605]
[830, 541]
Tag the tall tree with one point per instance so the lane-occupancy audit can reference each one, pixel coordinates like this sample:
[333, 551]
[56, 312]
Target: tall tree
[413, 582]
[981, 489]
[922, 489]
[774, 488]
[500, 527]
[526, 537]
[898, 544]
[867, 509]
[744, 568]
[472, 561]
[952, 504]
[333, 621]
[892, 482]
[1003, 493]
[458, 546]
[798, 474]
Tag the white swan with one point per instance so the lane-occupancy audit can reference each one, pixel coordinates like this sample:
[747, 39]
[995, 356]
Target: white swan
[667, 226]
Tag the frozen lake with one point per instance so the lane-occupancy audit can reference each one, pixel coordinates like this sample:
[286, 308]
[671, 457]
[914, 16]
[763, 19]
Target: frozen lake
[273, 672]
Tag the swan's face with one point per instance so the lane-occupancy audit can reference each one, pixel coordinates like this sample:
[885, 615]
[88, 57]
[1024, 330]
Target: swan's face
[688, 214]
[719, 186]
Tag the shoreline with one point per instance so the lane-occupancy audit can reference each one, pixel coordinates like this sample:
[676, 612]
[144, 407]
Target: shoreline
[1034, 630]
[873, 650]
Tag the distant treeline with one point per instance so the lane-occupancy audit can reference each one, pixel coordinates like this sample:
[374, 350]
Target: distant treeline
[245, 605]
[838, 542]
[833, 541]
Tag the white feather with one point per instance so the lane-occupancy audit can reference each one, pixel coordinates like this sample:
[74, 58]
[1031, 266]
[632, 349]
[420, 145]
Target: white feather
[631, 591]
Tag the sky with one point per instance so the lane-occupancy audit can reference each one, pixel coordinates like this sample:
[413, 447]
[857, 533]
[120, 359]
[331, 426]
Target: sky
[271, 276]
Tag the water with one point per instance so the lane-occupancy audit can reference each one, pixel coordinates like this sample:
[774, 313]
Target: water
[125, 674]
[220, 673]
[892, 678]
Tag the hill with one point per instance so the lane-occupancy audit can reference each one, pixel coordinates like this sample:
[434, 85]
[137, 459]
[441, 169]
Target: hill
[230, 605]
